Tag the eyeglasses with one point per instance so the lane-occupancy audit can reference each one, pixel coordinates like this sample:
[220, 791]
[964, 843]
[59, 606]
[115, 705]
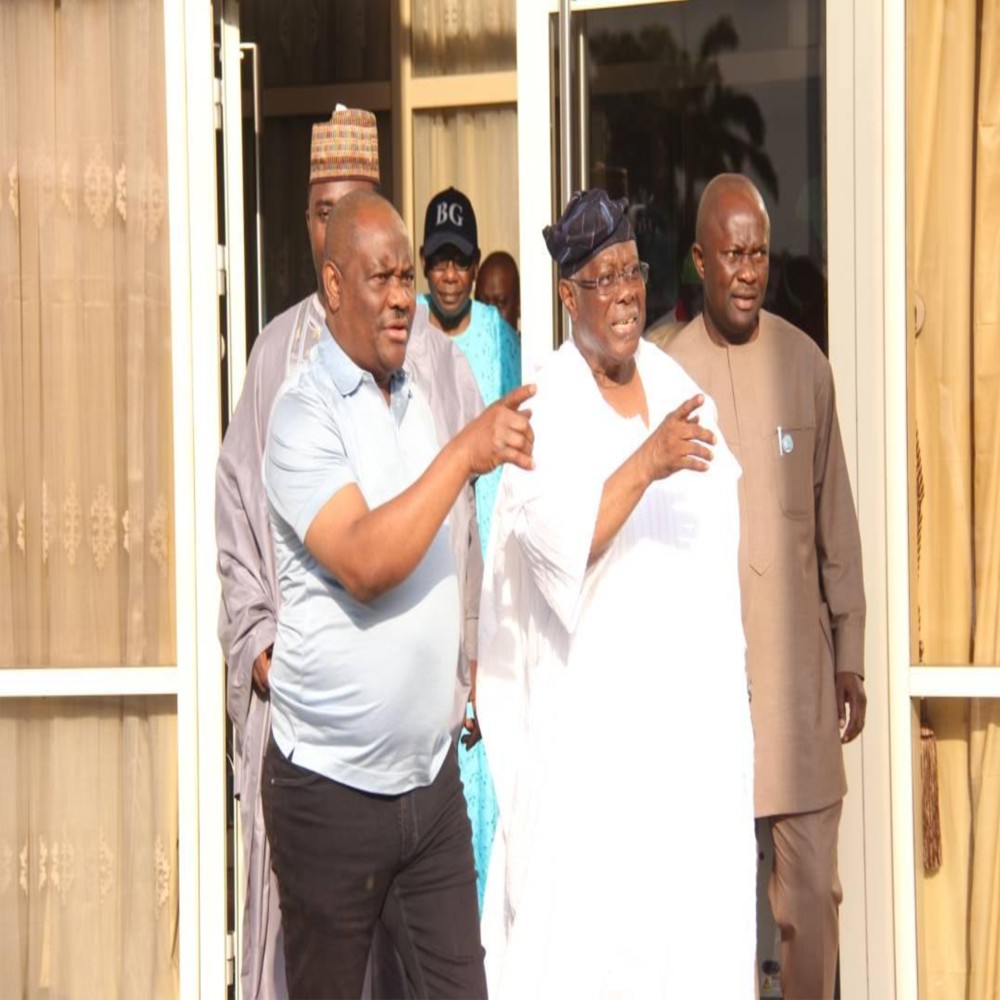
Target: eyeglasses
[461, 263]
[605, 283]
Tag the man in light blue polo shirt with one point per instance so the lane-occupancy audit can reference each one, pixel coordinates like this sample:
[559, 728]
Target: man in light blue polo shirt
[362, 800]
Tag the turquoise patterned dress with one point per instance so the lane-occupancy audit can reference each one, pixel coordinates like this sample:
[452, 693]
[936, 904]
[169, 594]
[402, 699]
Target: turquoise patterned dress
[493, 349]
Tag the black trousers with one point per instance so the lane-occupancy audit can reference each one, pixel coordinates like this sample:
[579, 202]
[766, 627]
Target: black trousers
[345, 859]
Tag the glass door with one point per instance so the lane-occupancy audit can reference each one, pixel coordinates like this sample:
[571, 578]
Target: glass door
[653, 100]
[656, 98]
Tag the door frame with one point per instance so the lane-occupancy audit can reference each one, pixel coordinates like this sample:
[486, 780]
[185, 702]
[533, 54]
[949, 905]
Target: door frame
[194, 292]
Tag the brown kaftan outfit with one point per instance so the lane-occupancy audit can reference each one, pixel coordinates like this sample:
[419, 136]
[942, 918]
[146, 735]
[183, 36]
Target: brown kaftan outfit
[803, 611]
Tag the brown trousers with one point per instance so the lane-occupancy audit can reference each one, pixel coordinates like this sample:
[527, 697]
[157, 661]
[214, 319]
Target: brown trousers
[805, 896]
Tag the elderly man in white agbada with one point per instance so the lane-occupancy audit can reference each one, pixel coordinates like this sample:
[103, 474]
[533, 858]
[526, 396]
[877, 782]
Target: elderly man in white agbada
[612, 688]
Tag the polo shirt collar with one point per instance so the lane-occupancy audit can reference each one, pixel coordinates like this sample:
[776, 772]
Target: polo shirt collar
[346, 375]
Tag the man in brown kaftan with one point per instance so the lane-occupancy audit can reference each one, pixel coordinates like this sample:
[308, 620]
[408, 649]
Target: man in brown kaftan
[800, 568]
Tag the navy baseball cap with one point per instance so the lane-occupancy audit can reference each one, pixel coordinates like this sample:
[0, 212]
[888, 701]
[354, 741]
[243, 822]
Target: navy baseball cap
[450, 221]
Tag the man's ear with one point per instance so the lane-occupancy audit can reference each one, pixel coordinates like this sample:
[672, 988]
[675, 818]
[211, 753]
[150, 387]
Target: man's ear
[698, 256]
[567, 295]
[332, 279]
[423, 262]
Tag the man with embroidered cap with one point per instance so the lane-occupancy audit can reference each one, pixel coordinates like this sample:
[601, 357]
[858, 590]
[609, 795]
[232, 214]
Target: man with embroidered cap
[800, 568]
[364, 806]
[343, 158]
[612, 692]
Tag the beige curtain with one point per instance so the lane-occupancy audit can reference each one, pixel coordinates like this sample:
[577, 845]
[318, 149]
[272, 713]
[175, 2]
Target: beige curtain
[476, 151]
[941, 95]
[86, 556]
[984, 742]
[88, 839]
[954, 158]
[463, 36]
[88, 848]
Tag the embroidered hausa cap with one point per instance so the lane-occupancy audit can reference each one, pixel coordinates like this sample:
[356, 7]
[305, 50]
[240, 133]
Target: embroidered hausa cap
[450, 220]
[345, 148]
[591, 221]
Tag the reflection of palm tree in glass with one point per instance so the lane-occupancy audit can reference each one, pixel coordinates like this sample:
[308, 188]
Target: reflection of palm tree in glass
[684, 127]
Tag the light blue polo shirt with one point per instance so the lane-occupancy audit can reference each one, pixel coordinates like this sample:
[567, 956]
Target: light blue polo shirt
[361, 693]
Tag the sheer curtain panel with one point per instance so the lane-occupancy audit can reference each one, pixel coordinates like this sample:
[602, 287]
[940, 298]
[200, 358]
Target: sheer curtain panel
[88, 838]
[88, 848]
[86, 552]
[954, 168]
[463, 36]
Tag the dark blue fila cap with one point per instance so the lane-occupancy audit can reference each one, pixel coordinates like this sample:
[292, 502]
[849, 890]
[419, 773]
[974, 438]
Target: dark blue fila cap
[450, 221]
[590, 222]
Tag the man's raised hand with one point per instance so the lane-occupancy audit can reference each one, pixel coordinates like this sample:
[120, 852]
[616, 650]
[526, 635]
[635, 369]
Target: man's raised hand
[501, 433]
[680, 442]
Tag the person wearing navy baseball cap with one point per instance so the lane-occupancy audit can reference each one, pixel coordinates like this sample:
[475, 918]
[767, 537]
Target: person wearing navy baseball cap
[451, 219]
[450, 260]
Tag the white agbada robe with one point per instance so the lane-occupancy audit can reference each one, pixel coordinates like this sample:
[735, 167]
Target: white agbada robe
[614, 706]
